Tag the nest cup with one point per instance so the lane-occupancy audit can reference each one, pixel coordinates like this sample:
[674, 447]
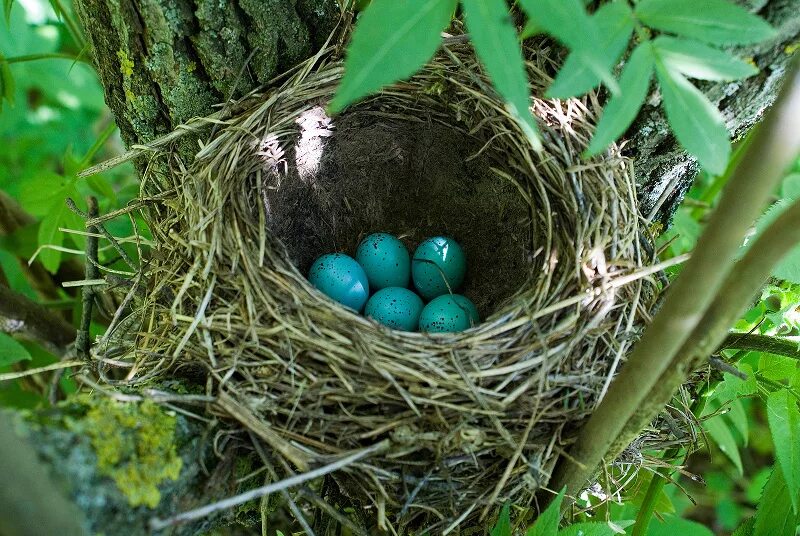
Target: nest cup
[439, 428]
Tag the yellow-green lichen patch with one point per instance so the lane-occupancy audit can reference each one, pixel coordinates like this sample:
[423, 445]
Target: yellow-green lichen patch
[135, 446]
[126, 64]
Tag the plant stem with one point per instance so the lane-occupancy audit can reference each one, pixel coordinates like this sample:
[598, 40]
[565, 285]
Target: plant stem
[629, 401]
[762, 343]
[45, 56]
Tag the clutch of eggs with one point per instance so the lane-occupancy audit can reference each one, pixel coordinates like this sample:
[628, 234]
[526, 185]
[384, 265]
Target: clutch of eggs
[382, 265]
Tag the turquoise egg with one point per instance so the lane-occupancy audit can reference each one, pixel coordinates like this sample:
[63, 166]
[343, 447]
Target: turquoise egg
[435, 260]
[448, 313]
[395, 307]
[341, 278]
[385, 260]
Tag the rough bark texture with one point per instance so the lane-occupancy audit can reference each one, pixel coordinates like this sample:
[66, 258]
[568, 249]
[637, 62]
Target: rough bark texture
[165, 61]
[664, 171]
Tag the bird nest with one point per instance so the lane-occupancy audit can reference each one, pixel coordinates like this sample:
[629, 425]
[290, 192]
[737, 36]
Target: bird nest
[424, 430]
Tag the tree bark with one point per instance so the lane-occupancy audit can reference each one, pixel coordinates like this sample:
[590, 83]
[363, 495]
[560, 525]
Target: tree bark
[163, 62]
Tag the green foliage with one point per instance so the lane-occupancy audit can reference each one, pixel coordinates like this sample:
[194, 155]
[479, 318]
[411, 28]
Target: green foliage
[394, 39]
[11, 351]
[672, 525]
[775, 516]
[784, 424]
[719, 429]
[614, 22]
[391, 41]
[717, 21]
[547, 523]
[503, 525]
[622, 109]
[588, 529]
[495, 41]
[694, 120]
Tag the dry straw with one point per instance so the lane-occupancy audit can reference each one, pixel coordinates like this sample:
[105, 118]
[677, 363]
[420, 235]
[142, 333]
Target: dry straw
[453, 424]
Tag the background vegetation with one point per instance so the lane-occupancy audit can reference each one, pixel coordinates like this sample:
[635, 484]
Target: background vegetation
[54, 123]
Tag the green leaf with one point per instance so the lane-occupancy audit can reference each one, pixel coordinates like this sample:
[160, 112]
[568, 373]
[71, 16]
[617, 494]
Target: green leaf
[697, 124]
[738, 418]
[588, 529]
[696, 60]
[568, 21]
[547, 523]
[719, 430]
[7, 5]
[675, 525]
[784, 424]
[776, 367]
[50, 235]
[503, 525]
[496, 44]
[790, 187]
[615, 24]
[11, 351]
[733, 386]
[392, 40]
[788, 268]
[774, 516]
[714, 21]
[746, 528]
[622, 109]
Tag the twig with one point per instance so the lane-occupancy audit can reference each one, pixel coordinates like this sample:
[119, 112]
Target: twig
[198, 513]
[724, 366]
[629, 400]
[28, 320]
[762, 343]
[83, 342]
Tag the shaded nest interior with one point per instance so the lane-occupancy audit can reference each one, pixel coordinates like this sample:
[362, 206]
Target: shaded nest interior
[438, 428]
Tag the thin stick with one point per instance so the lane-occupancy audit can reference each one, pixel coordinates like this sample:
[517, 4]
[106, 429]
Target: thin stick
[83, 341]
[33, 372]
[198, 513]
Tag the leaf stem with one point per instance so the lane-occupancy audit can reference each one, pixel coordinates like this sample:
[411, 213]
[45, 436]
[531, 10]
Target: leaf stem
[45, 56]
[762, 343]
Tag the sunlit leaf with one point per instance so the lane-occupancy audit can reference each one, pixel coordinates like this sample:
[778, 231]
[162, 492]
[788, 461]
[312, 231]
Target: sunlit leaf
[774, 516]
[588, 529]
[697, 124]
[568, 21]
[788, 268]
[718, 428]
[49, 235]
[738, 418]
[671, 526]
[622, 109]
[547, 522]
[713, 21]
[783, 416]
[7, 5]
[615, 24]
[503, 525]
[495, 39]
[11, 351]
[697, 60]
[391, 41]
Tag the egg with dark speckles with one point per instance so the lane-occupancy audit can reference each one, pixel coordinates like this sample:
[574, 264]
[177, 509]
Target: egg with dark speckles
[448, 313]
[341, 278]
[395, 307]
[436, 260]
[385, 260]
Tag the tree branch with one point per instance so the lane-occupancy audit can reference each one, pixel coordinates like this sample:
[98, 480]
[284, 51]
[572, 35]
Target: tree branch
[762, 343]
[774, 147]
[28, 320]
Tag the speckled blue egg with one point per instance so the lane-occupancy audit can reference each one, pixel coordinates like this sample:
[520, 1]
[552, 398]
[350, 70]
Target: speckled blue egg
[435, 260]
[342, 279]
[448, 313]
[385, 260]
[395, 307]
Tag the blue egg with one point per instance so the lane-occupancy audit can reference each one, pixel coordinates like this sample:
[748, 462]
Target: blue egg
[395, 307]
[448, 313]
[385, 260]
[438, 267]
[341, 278]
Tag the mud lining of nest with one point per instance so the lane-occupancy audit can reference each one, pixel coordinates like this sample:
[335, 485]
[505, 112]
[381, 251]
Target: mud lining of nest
[456, 423]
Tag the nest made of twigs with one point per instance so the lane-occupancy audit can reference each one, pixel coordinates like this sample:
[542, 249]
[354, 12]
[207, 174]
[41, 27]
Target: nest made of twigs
[450, 424]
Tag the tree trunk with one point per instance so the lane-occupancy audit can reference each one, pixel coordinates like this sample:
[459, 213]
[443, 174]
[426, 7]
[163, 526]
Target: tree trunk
[163, 62]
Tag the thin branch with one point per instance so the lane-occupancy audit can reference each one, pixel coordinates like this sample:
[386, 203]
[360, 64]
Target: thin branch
[26, 319]
[774, 147]
[762, 343]
[83, 341]
[45, 56]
